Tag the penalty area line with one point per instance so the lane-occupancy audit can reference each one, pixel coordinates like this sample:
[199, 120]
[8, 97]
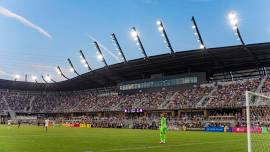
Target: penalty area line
[164, 146]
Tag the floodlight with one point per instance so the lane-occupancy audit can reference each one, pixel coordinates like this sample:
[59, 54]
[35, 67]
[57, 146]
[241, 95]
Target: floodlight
[100, 56]
[232, 16]
[134, 33]
[160, 28]
[118, 48]
[197, 33]
[158, 22]
[136, 37]
[17, 76]
[34, 78]
[60, 72]
[84, 61]
[71, 70]
[201, 46]
[47, 78]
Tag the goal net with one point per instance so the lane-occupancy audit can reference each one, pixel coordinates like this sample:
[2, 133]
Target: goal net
[257, 122]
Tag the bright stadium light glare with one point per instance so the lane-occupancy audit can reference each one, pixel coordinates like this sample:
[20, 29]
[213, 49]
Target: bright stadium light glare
[232, 16]
[85, 65]
[99, 57]
[71, 69]
[83, 61]
[134, 33]
[47, 78]
[160, 28]
[193, 26]
[135, 38]
[34, 78]
[158, 22]
[201, 46]
[17, 76]
[58, 71]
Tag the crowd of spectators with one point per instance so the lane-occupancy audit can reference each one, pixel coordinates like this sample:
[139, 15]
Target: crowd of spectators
[229, 94]
[188, 98]
[232, 94]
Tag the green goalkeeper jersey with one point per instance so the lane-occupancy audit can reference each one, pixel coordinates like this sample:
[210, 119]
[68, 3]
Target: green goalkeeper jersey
[163, 122]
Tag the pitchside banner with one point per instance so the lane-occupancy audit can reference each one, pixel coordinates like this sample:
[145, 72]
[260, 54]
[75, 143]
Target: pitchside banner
[214, 129]
[244, 130]
[77, 125]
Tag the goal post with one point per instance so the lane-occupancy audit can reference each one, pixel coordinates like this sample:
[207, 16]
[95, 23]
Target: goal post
[257, 121]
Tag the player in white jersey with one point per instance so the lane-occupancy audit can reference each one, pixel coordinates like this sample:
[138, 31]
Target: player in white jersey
[47, 124]
[9, 122]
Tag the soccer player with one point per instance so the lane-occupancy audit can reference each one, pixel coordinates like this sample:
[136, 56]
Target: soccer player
[47, 124]
[19, 123]
[163, 128]
[9, 123]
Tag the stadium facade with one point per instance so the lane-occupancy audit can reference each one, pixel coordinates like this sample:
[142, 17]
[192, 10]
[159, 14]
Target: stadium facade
[213, 64]
[181, 83]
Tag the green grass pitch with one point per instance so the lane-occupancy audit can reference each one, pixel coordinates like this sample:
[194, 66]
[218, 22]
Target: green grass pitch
[35, 139]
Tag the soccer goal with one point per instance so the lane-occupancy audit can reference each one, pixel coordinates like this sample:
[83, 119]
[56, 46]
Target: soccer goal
[257, 122]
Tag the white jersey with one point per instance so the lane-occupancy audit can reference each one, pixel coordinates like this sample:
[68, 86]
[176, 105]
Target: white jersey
[47, 123]
[9, 122]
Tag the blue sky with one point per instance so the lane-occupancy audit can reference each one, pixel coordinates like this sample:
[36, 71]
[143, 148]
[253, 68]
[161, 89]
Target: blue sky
[70, 23]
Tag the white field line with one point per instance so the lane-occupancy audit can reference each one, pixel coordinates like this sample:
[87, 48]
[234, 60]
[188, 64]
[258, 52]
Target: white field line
[165, 146]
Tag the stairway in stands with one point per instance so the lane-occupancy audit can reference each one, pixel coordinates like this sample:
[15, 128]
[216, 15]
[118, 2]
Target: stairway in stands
[205, 99]
[259, 89]
[30, 105]
[11, 112]
[166, 102]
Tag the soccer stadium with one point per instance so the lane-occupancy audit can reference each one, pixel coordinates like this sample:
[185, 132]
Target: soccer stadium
[110, 76]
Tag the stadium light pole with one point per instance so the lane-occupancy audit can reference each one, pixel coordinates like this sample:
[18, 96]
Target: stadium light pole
[234, 23]
[84, 61]
[233, 19]
[118, 48]
[60, 72]
[48, 77]
[44, 79]
[72, 69]
[100, 55]
[163, 32]
[197, 33]
[135, 35]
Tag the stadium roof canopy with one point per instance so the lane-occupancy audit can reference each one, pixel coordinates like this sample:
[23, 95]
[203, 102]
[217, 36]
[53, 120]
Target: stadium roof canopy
[211, 61]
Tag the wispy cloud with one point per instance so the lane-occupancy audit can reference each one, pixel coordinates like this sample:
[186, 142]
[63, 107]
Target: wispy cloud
[48, 68]
[41, 67]
[105, 48]
[24, 21]
[2, 72]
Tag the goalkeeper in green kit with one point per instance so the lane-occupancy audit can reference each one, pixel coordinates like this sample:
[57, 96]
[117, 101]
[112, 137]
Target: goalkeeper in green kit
[163, 128]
